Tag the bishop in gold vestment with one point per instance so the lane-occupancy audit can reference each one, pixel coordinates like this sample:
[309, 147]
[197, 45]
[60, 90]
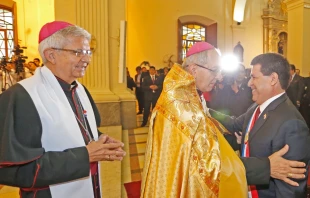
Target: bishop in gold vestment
[186, 154]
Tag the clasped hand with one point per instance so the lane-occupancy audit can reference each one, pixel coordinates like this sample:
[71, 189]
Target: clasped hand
[154, 87]
[105, 149]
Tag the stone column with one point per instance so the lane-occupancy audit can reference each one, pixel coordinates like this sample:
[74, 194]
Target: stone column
[116, 13]
[102, 19]
[298, 34]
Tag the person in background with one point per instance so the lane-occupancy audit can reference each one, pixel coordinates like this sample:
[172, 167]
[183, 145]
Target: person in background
[236, 97]
[166, 70]
[305, 102]
[152, 87]
[144, 72]
[29, 69]
[296, 87]
[130, 82]
[139, 90]
[37, 62]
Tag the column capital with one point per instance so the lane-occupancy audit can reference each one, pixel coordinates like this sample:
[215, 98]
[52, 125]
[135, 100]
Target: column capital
[293, 4]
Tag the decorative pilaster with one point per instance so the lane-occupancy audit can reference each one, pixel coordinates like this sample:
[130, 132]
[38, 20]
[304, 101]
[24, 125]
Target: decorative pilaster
[93, 16]
[275, 27]
[117, 106]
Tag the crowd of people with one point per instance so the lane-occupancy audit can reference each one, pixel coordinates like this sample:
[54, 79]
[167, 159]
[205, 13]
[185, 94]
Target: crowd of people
[230, 94]
[148, 87]
[10, 74]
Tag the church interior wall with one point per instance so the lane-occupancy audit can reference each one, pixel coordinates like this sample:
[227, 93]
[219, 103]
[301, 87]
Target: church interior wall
[31, 16]
[151, 36]
[298, 39]
[152, 28]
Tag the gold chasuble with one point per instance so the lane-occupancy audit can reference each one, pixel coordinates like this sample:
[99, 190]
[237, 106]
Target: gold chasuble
[186, 154]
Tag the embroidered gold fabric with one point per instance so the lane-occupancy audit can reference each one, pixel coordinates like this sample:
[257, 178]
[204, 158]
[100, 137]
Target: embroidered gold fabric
[186, 154]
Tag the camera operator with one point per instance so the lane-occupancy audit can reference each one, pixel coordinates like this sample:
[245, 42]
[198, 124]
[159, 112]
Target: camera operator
[37, 62]
[12, 71]
[7, 75]
[29, 69]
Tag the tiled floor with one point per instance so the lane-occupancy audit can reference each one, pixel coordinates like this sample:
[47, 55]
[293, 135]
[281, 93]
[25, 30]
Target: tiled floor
[135, 143]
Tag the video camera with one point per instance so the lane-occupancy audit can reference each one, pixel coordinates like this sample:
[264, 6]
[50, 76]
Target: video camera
[3, 63]
[19, 59]
[18, 50]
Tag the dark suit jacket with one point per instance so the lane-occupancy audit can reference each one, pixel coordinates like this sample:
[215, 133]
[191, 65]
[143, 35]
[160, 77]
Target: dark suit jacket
[296, 89]
[305, 102]
[138, 88]
[130, 83]
[136, 76]
[279, 124]
[234, 104]
[148, 92]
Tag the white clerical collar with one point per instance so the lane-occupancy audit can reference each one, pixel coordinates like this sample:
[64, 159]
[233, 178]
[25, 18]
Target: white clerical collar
[270, 100]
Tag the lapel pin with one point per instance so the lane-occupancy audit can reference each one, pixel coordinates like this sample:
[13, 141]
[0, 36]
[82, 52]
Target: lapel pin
[265, 116]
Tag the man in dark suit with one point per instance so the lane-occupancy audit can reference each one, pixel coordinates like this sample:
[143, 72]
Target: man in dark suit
[278, 124]
[139, 91]
[152, 86]
[296, 87]
[236, 97]
[305, 102]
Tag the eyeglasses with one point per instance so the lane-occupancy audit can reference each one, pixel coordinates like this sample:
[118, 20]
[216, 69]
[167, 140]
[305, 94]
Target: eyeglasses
[78, 53]
[216, 71]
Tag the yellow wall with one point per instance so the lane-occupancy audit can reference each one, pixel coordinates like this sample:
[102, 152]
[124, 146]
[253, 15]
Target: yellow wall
[298, 35]
[116, 11]
[31, 16]
[305, 67]
[152, 28]
[295, 36]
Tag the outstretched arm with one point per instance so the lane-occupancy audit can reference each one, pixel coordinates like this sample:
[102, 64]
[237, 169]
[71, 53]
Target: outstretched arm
[259, 170]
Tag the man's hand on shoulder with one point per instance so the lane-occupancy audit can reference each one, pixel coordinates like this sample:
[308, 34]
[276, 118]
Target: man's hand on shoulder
[283, 169]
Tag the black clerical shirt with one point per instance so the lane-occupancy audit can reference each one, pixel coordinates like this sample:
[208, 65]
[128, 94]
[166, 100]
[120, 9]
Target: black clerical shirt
[73, 98]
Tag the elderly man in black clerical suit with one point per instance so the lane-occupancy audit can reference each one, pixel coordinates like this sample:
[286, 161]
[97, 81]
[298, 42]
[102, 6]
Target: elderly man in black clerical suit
[50, 143]
[296, 87]
[152, 86]
[268, 126]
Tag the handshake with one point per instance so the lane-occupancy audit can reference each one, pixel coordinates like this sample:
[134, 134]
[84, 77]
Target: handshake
[105, 149]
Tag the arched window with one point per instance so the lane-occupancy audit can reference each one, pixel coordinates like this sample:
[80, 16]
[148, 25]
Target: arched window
[7, 31]
[192, 29]
[192, 33]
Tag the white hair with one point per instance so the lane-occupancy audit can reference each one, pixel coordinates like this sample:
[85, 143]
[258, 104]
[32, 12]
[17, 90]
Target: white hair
[200, 58]
[59, 39]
